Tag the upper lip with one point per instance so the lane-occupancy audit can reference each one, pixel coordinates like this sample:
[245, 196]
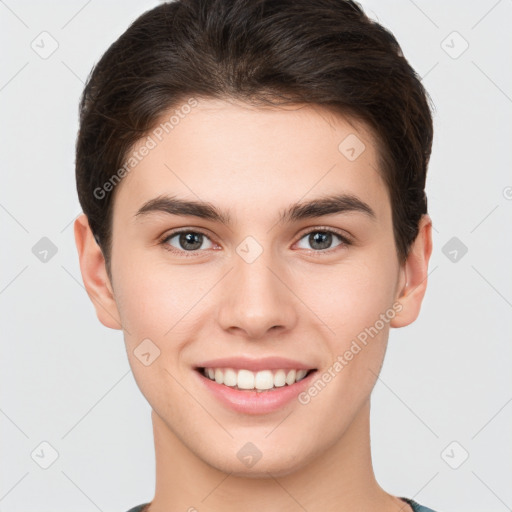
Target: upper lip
[262, 363]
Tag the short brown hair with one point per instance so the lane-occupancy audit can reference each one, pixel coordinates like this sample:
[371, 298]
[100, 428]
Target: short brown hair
[323, 52]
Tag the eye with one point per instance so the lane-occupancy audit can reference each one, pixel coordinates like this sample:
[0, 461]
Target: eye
[321, 239]
[185, 241]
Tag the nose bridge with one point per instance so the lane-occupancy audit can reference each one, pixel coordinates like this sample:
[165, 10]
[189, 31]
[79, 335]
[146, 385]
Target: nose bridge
[257, 298]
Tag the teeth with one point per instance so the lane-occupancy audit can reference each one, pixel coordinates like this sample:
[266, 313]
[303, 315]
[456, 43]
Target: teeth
[261, 381]
[230, 377]
[245, 379]
[279, 378]
[219, 377]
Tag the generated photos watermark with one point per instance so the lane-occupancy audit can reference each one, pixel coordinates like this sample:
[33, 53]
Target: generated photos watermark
[355, 348]
[151, 142]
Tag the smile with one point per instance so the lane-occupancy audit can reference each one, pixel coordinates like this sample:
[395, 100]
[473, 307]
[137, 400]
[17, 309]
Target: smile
[254, 392]
[263, 380]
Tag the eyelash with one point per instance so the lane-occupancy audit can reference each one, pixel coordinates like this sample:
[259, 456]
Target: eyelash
[191, 254]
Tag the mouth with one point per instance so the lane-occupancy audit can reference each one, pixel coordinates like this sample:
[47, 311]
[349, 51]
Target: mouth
[254, 392]
[261, 381]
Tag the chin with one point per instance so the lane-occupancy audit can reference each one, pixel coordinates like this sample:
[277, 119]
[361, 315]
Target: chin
[275, 465]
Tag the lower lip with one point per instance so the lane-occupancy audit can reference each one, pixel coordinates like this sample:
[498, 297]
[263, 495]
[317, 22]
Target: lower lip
[255, 402]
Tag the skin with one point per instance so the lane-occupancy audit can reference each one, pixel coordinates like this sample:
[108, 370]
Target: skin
[314, 456]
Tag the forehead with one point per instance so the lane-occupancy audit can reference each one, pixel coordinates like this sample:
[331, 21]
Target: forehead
[241, 156]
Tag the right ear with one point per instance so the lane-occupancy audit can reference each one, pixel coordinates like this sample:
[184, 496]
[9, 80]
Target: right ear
[94, 274]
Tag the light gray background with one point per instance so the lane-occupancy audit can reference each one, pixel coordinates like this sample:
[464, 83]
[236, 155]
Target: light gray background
[65, 378]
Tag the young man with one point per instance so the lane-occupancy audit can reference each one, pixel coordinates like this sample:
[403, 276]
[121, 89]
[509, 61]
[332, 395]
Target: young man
[252, 179]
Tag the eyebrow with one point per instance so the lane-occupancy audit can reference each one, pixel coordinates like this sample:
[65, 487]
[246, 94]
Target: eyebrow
[327, 205]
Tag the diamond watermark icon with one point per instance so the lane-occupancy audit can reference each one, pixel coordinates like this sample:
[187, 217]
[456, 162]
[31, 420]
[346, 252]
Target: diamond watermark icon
[454, 45]
[455, 455]
[454, 249]
[249, 249]
[146, 352]
[44, 250]
[44, 455]
[351, 147]
[249, 454]
[45, 45]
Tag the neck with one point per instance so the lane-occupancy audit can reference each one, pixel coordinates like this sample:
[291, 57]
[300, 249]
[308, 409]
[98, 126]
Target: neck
[340, 479]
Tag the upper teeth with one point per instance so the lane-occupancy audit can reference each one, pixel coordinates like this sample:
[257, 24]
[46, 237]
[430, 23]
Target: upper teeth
[245, 379]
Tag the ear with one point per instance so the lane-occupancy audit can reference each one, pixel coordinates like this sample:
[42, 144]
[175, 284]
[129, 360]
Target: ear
[413, 275]
[94, 274]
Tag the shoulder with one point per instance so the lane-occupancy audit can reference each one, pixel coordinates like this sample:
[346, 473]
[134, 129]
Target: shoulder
[416, 506]
[138, 508]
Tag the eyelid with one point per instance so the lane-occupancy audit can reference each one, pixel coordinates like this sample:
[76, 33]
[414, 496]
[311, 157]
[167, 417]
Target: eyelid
[346, 237]
[178, 231]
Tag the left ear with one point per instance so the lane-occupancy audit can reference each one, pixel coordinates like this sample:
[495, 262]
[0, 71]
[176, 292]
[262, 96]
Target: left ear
[413, 278]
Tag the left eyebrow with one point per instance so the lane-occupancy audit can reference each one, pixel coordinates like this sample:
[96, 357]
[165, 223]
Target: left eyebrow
[327, 205]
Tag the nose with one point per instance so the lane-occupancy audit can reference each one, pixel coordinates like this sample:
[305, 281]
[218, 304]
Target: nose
[257, 298]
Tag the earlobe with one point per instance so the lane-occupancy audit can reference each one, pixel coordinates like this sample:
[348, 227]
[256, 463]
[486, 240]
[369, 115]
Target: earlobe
[94, 274]
[414, 276]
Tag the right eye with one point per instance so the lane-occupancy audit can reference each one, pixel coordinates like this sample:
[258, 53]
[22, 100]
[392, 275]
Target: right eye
[186, 241]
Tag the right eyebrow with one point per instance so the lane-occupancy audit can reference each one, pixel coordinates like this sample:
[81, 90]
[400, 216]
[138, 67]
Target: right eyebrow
[175, 206]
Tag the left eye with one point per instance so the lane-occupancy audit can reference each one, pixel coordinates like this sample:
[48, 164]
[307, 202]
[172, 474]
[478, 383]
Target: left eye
[322, 239]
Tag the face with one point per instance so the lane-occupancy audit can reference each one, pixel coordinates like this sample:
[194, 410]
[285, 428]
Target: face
[318, 287]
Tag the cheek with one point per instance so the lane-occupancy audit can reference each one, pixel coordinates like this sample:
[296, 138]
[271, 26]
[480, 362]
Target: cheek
[154, 306]
[161, 304]
[153, 299]
[352, 298]
[352, 304]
